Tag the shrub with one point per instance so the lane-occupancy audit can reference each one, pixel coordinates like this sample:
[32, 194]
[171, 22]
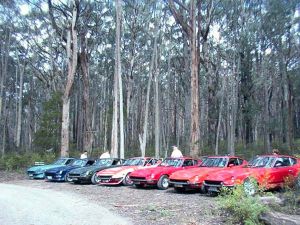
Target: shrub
[244, 209]
[16, 161]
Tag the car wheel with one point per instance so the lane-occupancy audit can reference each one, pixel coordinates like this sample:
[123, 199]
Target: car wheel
[67, 178]
[163, 182]
[94, 179]
[127, 181]
[179, 189]
[250, 187]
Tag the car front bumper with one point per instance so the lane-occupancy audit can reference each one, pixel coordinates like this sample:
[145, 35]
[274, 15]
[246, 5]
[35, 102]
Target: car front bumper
[215, 186]
[143, 181]
[36, 175]
[54, 177]
[185, 184]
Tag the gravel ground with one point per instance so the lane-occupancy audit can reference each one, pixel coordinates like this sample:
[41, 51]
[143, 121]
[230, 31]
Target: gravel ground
[143, 206]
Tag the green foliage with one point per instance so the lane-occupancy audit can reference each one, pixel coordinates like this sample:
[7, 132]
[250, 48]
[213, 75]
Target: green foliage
[244, 209]
[48, 134]
[20, 161]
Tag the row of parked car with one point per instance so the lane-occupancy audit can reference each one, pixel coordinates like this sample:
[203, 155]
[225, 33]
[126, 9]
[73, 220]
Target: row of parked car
[209, 174]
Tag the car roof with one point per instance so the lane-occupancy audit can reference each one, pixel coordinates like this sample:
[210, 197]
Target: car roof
[183, 157]
[222, 156]
[276, 156]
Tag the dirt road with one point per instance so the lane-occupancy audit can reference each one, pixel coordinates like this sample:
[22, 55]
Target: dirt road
[143, 206]
[33, 206]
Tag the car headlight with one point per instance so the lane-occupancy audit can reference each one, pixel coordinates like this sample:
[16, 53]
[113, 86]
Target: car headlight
[152, 176]
[88, 173]
[196, 178]
[60, 172]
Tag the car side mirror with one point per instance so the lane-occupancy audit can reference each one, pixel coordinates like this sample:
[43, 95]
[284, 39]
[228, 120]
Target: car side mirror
[278, 164]
[231, 165]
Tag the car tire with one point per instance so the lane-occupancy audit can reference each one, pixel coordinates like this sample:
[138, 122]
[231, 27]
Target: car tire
[250, 187]
[67, 178]
[179, 189]
[163, 182]
[127, 181]
[94, 179]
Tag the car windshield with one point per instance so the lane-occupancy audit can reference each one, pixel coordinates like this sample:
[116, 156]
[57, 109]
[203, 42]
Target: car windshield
[79, 162]
[103, 162]
[261, 161]
[172, 162]
[214, 162]
[59, 162]
[134, 162]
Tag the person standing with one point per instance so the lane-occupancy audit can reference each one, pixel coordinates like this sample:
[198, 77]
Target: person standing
[84, 155]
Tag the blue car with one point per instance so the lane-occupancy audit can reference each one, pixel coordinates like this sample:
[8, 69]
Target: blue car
[61, 173]
[38, 172]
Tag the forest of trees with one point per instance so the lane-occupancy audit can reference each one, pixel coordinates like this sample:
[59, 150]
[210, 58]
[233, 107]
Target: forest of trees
[136, 77]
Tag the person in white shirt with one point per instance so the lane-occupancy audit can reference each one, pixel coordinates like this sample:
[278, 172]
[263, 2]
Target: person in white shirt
[176, 152]
[84, 155]
[105, 155]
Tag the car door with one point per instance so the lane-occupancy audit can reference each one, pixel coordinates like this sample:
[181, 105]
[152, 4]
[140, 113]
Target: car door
[280, 171]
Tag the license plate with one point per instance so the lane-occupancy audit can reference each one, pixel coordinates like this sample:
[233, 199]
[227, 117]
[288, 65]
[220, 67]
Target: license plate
[137, 182]
[49, 177]
[178, 185]
[74, 178]
[31, 175]
[104, 181]
[214, 189]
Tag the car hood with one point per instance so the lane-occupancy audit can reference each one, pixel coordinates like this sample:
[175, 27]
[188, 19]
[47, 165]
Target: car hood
[229, 173]
[62, 168]
[42, 168]
[190, 173]
[92, 168]
[116, 170]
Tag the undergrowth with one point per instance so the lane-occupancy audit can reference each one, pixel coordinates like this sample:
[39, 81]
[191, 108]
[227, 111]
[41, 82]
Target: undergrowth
[243, 208]
[19, 161]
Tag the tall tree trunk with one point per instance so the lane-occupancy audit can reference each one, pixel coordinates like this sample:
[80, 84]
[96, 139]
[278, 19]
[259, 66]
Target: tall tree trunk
[195, 132]
[88, 135]
[157, 117]
[72, 65]
[119, 74]
[4, 63]
[19, 122]
[143, 137]
[220, 116]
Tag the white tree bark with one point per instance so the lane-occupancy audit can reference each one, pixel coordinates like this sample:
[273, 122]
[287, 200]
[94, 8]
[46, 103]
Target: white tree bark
[143, 137]
[20, 101]
[72, 65]
[157, 118]
[220, 116]
[119, 74]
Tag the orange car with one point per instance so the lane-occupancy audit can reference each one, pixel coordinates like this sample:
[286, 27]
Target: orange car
[193, 178]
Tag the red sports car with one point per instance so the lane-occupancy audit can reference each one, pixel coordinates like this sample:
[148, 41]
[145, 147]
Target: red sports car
[194, 177]
[267, 171]
[118, 175]
[160, 175]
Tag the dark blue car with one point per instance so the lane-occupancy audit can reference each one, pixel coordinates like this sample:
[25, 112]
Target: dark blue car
[61, 173]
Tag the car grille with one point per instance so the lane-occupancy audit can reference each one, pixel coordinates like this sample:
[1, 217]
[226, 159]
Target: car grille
[137, 178]
[178, 181]
[104, 177]
[213, 183]
[74, 175]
